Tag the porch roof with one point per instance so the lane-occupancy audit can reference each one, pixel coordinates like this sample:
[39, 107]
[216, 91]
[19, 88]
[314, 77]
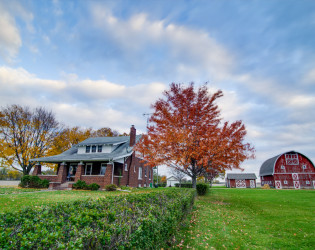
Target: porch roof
[121, 149]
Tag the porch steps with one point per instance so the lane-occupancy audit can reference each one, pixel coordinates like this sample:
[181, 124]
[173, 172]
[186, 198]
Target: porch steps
[65, 186]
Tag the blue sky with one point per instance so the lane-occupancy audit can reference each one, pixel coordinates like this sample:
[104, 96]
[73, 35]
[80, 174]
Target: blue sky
[102, 63]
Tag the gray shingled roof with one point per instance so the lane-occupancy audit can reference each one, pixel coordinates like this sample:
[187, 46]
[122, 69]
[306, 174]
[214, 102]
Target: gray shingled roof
[241, 176]
[121, 150]
[267, 168]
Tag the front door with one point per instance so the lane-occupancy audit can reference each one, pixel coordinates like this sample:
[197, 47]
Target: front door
[252, 184]
[296, 184]
[240, 184]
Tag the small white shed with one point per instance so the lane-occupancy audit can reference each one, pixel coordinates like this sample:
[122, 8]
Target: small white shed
[171, 181]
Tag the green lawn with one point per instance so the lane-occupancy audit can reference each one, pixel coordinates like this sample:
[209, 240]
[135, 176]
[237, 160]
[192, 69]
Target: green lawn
[251, 218]
[16, 190]
[15, 201]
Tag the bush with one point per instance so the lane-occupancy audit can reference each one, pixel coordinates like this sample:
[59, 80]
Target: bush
[148, 220]
[202, 188]
[184, 185]
[94, 186]
[82, 185]
[111, 187]
[29, 181]
[125, 188]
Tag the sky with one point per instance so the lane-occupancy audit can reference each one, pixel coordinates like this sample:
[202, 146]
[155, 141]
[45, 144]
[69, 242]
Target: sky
[103, 63]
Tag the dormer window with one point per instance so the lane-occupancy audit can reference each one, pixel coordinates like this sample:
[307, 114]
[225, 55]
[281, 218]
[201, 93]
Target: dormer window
[291, 159]
[99, 148]
[93, 149]
[304, 166]
[87, 149]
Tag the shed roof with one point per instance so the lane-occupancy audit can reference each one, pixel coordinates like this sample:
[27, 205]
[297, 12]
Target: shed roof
[267, 168]
[121, 149]
[241, 176]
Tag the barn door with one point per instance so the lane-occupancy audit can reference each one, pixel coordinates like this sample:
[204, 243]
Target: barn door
[240, 184]
[252, 184]
[278, 184]
[296, 184]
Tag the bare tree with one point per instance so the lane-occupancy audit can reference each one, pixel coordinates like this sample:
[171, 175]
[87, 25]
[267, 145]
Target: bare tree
[178, 173]
[26, 134]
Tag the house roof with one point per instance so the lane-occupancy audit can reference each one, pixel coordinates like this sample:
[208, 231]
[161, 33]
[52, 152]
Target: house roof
[241, 176]
[268, 167]
[121, 149]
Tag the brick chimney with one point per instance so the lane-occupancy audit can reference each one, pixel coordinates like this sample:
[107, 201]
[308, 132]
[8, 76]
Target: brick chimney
[132, 135]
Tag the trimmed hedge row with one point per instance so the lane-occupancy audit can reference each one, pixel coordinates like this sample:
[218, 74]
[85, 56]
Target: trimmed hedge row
[184, 185]
[82, 185]
[146, 220]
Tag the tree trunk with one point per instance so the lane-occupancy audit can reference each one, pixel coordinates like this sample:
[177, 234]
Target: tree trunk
[194, 181]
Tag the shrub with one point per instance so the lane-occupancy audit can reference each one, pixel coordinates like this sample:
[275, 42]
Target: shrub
[29, 181]
[80, 185]
[148, 220]
[125, 188]
[111, 187]
[94, 186]
[202, 188]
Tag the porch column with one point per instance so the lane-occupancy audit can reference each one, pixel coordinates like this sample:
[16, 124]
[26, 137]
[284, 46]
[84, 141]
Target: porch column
[108, 178]
[62, 173]
[80, 172]
[37, 169]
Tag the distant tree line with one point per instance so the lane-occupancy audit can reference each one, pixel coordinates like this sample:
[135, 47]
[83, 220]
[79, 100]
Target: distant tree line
[27, 133]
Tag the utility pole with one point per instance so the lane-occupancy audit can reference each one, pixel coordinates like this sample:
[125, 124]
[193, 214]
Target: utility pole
[147, 115]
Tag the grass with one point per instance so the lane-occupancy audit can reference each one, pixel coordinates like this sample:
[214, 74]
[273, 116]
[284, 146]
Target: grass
[16, 190]
[15, 200]
[250, 219]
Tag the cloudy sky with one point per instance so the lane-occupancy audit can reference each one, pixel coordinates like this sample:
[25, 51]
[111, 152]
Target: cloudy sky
[102, 63]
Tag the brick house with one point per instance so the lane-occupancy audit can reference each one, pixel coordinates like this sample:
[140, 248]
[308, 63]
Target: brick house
[241, 180]
[101, 160]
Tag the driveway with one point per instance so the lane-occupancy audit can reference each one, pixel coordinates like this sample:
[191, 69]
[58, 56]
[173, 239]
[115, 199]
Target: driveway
[9, 183]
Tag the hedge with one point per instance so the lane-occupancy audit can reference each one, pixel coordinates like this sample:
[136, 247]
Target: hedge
[202, 188]
[146, 220]
[184, 185]
[82, 185]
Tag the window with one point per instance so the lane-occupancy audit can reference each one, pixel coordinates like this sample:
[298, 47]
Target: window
[150, 174]
[88, 169]
[126, 167]
[140, 172]
[99, 148]
[282, 167]
[103, 168]
[307, 182]
[93, 149]
[139, 185]
[144, 185]
[72, 169]
[145, 172]
[304, 166]
[285, 182]
[291, 159]
[87, 149]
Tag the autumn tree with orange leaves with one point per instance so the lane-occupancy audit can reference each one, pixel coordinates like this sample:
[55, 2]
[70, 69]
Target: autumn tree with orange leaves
[186, 130]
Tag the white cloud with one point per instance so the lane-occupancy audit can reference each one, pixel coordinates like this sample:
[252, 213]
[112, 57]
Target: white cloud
[194, 49]
[10, 40]
[309, 78]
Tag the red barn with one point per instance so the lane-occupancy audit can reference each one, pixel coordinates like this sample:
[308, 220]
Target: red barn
[241, 180]
[288, 170]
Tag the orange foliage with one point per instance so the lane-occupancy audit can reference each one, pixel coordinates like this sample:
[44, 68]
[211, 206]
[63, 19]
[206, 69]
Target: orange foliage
[186, 129]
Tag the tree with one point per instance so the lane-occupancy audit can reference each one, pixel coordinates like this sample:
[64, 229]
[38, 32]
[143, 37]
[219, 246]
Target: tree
[25, 134]
[105, 132]
[186, 129]
[67, 138]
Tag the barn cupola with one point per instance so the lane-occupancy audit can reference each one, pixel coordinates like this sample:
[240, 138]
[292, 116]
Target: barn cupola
[132, 136]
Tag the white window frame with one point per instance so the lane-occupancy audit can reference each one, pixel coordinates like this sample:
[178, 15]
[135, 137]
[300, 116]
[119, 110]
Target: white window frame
[139, 185]
[307, 182]
[285, 182]
[87, 151]
[102, 165]
[88, 164]
[304, 166]
[99, 147]
[94, 146]
[140, 173]
[145, 171]
[126, 167]
[149, 174]
[282, 167]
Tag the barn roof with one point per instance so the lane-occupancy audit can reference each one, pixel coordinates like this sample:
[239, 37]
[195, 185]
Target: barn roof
[241, 176]
[267, 168]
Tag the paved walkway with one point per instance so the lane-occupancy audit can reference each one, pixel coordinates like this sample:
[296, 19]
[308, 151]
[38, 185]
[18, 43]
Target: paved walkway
[9, 183]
